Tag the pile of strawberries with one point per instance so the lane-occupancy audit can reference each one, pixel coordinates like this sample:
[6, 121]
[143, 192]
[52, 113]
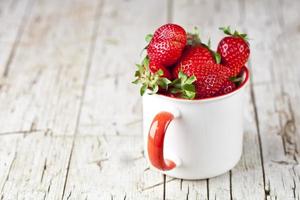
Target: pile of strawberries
[178, 64]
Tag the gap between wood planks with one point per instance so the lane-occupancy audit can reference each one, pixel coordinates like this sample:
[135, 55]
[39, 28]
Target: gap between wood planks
[170, 19]
[87, 72]
[22, 25]
[253, 100]
[20, 32]
[242, 9]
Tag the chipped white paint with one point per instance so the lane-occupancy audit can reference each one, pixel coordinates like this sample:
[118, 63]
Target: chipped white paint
[40, 98]
[13, 17]
[70, 122]
[112, 108]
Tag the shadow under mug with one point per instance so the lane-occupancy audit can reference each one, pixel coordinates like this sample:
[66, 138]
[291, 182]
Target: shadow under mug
[194, 139]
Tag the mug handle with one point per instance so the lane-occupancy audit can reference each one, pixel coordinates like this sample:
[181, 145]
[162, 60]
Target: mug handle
[156, 138]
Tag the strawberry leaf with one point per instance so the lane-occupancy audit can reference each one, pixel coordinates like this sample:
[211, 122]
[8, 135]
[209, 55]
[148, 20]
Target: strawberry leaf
[148, 37]
[143, 89]
[160, 72]
[145, 62]
[182, 76]
[236, 80]
[150, 81]
[136, 81]
[189, 94]
[188, 87]
[227, 31]
[155, 89]
[217, 57]
[190, 80]
[209, 43]
[183, 86]
[163, 83]
[175, 90]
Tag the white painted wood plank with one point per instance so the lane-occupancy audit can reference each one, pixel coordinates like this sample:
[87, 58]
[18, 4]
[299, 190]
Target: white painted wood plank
[112, 108]
[219, 187]
[275, 88]
[184, 189]
[105, 167]
[112, 104]
[45, 81]
[182, 9]
[247, 176]
[42, 94]
[208, 16]
[13, 17]
[8, 154]
[41, 97]
[36, 167]
[279, 179]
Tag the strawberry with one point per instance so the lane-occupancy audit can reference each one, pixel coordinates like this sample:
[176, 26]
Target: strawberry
[227, 87]
[167, 44]
[234, 51]
[210, 77]
[165, 53]
[193, 56]
[154, 79]
[155, 67]
[170, 32]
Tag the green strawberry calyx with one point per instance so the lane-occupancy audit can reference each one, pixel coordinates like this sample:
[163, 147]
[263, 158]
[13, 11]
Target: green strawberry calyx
[193, 38]
[228, 31]
[148, 38]
[148, 80]
[183, 86]
[237, 80]
[153, 82]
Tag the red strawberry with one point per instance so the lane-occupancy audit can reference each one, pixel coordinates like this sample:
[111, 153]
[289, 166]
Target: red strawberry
[210, 78]
[193, 56]
[167, 44]
[170, 32]
[227, 87]
[165, 53]
[155, 67]
[234, 51]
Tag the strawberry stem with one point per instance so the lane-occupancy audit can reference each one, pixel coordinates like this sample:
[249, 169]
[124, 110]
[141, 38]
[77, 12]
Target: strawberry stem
[228, 31]
[193, 38]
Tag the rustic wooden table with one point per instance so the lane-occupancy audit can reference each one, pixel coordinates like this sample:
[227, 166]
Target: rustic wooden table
[70, 121]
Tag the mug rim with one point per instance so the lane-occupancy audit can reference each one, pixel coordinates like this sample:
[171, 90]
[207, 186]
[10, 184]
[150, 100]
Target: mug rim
[209, 99]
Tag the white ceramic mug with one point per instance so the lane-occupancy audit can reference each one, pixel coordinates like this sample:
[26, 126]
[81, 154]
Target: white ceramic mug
[194, 139]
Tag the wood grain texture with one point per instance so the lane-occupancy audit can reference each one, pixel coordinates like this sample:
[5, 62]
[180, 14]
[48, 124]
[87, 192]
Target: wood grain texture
[118, 157]
[275, 87]
[33, 167]
[40, 99]
[118, 47]
[46, 77]
[70, 121]
[245, 181]
[112, 109]
[13, 17]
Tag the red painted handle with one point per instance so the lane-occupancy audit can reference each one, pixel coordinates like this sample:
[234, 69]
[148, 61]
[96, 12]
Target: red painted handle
[156, 138]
